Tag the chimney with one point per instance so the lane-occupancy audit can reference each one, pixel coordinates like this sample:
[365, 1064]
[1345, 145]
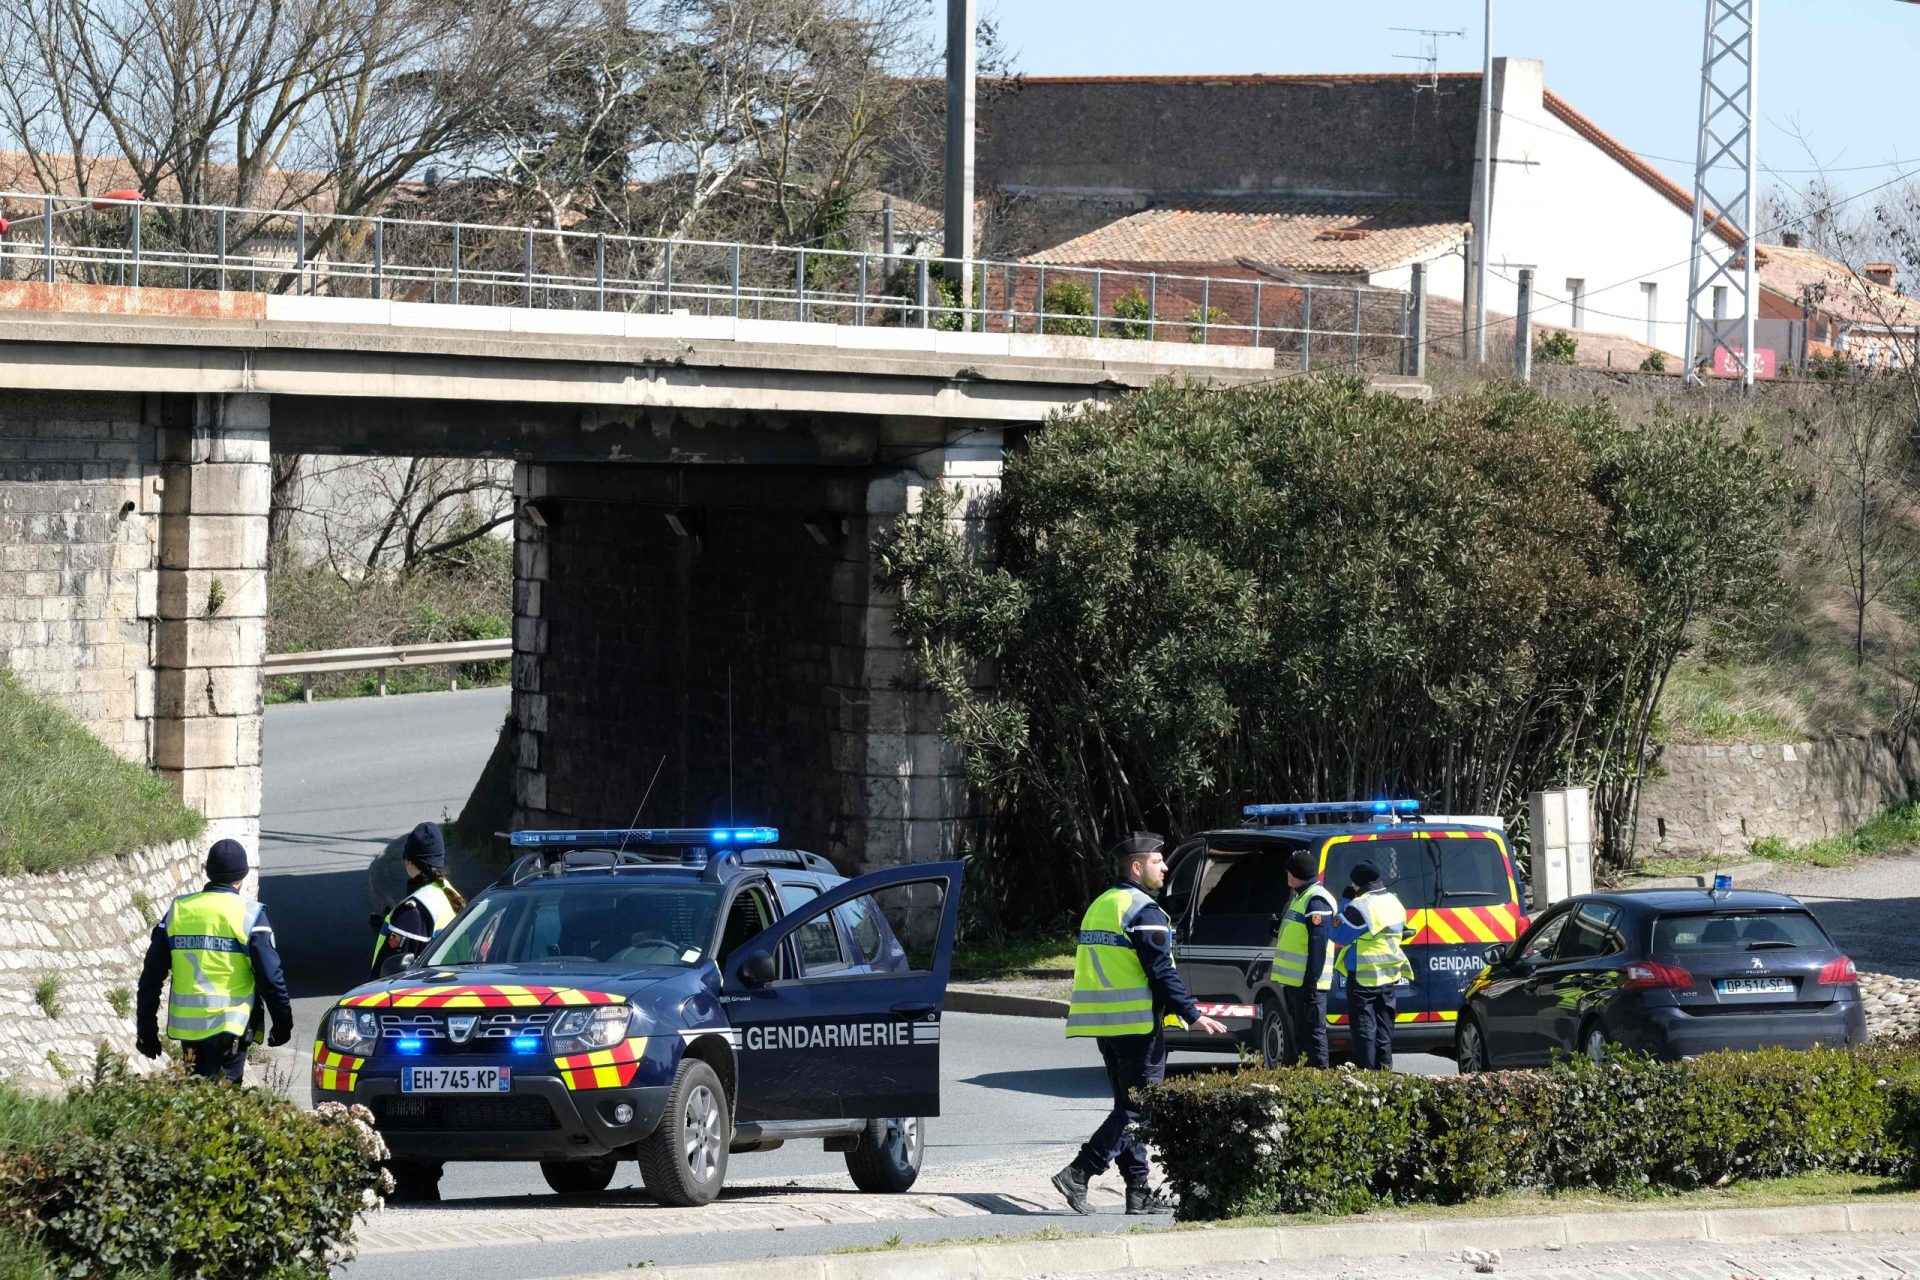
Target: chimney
[1880, 273]
[1790, 239]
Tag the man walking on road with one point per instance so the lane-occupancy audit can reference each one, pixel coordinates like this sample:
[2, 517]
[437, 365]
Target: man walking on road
[1300, 962]
[1371, 924]
[1124, 985]
[216, 948]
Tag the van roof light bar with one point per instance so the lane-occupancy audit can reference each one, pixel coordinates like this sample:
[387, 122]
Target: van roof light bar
[730, 837]
[1386, 810]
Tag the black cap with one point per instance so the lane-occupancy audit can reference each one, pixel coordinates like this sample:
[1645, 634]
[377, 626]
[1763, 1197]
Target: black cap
[1302, 866]
[1138, 844]
[425, 847]
[1364, 874]
[227, 862]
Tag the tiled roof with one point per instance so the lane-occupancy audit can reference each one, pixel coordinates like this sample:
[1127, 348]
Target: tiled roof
[1328, 237]
[1849, 298]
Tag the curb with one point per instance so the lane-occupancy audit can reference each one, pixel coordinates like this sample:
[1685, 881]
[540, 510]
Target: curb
[1743, 873]
[984, 999]
[1018, 1259]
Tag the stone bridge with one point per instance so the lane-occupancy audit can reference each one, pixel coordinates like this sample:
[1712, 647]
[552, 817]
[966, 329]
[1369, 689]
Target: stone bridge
[698, 500]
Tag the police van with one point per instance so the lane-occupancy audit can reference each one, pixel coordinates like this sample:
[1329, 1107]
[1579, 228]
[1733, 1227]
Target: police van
[1226, 892]
[667, 996]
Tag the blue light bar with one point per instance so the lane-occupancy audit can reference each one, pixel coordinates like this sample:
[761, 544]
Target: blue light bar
[1330, 807]
[616, 836]
[526, 1044]
[409, 1044]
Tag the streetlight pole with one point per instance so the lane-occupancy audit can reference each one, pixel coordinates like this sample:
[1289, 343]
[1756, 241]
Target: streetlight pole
[1486, 194]
[961, 65]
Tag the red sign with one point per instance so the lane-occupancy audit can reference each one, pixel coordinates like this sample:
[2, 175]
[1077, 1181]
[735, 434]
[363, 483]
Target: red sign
[1726, 363]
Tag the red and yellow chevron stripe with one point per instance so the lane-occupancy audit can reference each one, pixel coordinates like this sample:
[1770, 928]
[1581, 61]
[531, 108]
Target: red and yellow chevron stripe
[603, 1068]
[479, 997]
[1456, 925]
[1429, 1015]
[334, 1070]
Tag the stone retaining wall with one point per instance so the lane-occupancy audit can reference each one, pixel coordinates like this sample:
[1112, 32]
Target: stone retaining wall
[1716, 799]
[88, 926]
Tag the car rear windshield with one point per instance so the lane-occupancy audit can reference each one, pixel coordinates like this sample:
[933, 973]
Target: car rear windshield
[621, 926]
[1694, 931]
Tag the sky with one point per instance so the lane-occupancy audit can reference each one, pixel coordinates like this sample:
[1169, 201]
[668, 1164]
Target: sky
[1838, 73]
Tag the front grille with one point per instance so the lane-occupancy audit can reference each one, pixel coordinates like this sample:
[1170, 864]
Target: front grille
[448, 1113]
[490, 1026]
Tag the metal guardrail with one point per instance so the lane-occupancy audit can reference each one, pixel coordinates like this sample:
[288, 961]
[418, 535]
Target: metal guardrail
[383, 658]
[135, 243]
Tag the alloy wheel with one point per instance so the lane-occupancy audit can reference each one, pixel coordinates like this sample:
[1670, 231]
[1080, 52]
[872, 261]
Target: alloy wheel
[701, 1132]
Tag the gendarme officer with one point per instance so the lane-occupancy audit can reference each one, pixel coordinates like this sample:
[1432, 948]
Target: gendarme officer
[1301, 964]
[1124, 986]
[216, 948]
[430, 904]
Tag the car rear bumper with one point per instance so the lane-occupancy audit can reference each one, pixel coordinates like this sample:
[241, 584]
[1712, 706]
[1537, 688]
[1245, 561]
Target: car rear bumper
[541, 1119]
[1676, 1033]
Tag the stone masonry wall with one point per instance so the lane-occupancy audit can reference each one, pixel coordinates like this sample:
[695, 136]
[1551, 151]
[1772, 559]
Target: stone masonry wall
[79, 543]
[1715, 799]
[87, 926]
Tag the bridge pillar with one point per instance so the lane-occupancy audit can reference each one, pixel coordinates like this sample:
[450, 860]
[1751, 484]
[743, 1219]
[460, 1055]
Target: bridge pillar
[210, 607]
[662, 611]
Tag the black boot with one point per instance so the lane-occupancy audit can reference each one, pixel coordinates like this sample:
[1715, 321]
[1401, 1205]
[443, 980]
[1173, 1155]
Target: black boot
[1142, 1198]
[1072, 1184]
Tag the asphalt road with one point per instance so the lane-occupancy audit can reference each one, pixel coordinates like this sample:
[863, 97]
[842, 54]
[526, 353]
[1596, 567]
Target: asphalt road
[344, 778]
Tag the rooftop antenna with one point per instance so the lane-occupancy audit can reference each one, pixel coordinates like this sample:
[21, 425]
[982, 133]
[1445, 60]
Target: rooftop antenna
[637, 808]
[730, 817]
[1430, 56]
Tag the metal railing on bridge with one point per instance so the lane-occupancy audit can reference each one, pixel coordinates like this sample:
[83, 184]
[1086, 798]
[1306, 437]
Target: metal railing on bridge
[139, 243]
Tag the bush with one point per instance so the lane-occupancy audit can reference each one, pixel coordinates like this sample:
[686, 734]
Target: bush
[1654, 363]
[1132, 316]
[1198, 324]
[195, 1177]
[1306, 1141]
[1063, 302]
[1557, 347]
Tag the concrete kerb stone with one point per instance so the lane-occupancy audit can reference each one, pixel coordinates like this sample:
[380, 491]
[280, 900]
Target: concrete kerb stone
[973, 999]
[1115, 1253]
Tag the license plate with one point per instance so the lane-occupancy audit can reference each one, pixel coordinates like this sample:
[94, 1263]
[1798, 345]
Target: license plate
[456, 1080]
[1754, 986]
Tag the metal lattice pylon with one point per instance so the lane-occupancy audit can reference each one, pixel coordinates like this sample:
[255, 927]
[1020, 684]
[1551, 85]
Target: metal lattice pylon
[1723, 190]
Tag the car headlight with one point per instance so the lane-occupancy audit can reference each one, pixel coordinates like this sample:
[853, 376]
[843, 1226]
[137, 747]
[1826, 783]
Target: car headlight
[584, 1030]
[353, 1031]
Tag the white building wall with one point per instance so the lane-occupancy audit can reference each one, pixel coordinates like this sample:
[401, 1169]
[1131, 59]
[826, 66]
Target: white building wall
[1569, 210]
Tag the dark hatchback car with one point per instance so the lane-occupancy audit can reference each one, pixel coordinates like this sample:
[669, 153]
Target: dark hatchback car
[1670, 973]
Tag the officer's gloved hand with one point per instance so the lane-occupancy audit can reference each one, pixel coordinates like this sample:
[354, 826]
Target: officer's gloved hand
[279, 1036]
[148, 1045]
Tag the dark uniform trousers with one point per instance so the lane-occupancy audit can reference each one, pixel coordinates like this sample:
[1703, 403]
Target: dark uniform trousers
[217, 1057]
[1370, 1012]
[1133, 1063]
[1307, 1018]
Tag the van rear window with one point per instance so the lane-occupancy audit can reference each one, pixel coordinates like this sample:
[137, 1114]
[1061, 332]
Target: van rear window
[1472, 873]
[1696, 931]
[1405, 866]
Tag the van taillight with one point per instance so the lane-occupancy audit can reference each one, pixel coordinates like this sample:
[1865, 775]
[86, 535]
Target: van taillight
[1644, 975]
[1839, 973]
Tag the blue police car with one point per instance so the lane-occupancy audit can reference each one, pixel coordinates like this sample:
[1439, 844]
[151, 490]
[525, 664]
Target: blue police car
[667, 996]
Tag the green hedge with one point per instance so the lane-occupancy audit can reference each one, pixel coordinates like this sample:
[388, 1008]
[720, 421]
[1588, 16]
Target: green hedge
[1305, 1141]
[173, 1176]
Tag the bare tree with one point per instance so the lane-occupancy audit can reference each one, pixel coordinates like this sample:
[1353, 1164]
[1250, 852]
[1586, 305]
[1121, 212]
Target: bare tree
[367, 517]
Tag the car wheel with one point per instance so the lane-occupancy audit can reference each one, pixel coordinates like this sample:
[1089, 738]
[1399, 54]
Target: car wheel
[415, 1181]
[579, 1177]
[1470, 1046]
[887, 1158]
[1276, 1040]
[1594, 1043]
[684, 1160]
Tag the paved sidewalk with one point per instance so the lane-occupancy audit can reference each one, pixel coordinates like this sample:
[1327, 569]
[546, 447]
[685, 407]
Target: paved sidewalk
[1884, 1256]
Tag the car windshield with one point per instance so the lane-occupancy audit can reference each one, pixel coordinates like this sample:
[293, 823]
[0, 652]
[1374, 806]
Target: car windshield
[586, 923]
[1736, 931]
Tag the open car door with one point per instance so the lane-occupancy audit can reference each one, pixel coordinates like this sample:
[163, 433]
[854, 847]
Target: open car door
[851, 1043]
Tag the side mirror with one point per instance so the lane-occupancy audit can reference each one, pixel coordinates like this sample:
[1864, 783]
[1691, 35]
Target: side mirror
[399, 964]
[758, 969]
[1494, 956]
